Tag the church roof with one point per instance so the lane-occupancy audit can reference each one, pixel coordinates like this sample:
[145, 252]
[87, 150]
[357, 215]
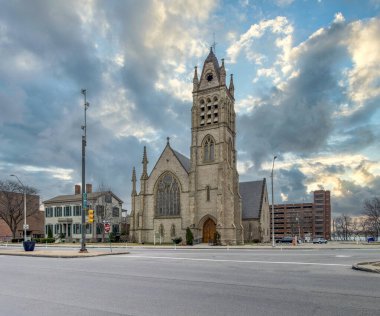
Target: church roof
[185, 162]
[252, 194]
[212, 58]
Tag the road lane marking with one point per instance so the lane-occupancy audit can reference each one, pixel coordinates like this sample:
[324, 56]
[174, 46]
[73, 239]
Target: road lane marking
[239, 261]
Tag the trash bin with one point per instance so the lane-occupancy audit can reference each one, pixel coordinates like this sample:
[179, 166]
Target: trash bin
[29, 245]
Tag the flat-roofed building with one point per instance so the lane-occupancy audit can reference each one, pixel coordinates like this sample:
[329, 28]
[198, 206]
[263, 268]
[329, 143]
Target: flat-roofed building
[306, 220]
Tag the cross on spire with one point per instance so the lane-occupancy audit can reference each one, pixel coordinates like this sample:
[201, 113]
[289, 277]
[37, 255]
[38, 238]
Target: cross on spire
[214, 43]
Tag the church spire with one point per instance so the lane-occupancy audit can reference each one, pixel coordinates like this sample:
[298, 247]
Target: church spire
[144, 174]
[134, 182]
[195, 80]
[222, 73]
[232, 88]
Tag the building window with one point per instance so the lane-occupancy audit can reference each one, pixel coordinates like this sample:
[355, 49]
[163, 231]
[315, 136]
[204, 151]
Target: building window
[208, 149]
[167, 196]
[67, 210]
[88, 229]
[77, 210]
[48, 227]
[56, 229]
[172, 231]
[99, 228]
[77, 228]
[58, 211]
[49, 212]
[207, 193]
[115, 212]
[100, 211]
[115, 228]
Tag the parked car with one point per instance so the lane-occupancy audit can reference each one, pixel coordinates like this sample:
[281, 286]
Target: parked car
[370, 239]
[285, 240]
[319, 241]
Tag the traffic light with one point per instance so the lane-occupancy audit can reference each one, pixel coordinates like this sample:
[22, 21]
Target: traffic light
[90, 216]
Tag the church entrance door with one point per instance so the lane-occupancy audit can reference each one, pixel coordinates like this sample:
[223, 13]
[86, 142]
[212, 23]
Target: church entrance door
[209, 229]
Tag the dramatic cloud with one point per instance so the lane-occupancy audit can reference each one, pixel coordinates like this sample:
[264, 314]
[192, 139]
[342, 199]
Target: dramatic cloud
[331, 89]
[307, 90]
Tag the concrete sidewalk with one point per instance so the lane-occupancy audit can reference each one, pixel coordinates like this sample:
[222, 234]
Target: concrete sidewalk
[59, 253]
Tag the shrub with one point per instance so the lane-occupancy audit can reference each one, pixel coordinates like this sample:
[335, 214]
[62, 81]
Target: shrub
[217, 241]
[44, 240]
[189, 237]
[177, 240]
[112, 237]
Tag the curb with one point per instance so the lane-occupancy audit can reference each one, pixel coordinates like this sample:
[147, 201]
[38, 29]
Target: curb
[370, 268]
[90, 255]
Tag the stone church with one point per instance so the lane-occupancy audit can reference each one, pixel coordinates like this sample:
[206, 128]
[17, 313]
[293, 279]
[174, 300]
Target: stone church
[202, 192]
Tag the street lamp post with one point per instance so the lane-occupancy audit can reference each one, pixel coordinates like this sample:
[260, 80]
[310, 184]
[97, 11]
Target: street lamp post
[84, 194]
[23, 187]
[273, 241]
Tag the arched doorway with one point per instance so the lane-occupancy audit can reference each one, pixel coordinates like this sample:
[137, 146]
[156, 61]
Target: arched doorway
[209, 229]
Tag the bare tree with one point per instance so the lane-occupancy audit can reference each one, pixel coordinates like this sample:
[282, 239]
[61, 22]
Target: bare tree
[372, 212]
[12, 203]
[103, 210]
[356, 224]
[343, 226]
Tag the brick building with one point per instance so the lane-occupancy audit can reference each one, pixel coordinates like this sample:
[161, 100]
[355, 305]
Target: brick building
[304, 220]
[34, 219]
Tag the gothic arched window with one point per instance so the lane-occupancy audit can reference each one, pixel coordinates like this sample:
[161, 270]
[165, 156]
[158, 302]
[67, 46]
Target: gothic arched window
[229, 154]
[207, 193]
[208, 149]
[167, 196]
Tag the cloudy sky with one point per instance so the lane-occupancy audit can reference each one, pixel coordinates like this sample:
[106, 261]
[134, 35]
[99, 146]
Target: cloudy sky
[307, 89]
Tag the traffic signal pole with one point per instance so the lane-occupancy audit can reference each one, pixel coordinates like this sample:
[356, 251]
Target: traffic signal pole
[84, 193]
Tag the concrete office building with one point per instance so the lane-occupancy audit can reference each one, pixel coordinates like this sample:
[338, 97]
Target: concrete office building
[305, 220]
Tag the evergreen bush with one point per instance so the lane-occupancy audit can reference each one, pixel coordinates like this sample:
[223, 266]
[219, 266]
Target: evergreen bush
[217, 241]
[189, 237]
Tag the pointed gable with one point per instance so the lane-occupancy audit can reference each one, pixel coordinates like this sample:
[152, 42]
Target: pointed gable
[183, 160]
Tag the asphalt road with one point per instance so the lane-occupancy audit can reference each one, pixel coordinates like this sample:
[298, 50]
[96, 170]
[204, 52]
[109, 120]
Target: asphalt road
[193, 282]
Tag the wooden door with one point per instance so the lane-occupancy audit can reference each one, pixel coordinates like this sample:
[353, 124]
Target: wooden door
[209, 229]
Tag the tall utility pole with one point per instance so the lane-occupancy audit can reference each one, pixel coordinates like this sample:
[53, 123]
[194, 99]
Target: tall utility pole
[84, 193]
[273, 241]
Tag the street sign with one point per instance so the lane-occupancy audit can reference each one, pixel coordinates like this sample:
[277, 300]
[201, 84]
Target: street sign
[25, 226]
[107, 227]
[84, 200]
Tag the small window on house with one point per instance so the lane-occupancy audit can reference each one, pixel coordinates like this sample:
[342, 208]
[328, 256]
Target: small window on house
[100, 211]
[207, 193]
[115, 212]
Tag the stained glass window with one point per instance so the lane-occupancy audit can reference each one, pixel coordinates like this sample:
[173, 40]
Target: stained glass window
[167, 196]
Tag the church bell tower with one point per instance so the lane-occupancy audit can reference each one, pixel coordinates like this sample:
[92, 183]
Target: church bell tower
[215, 204]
